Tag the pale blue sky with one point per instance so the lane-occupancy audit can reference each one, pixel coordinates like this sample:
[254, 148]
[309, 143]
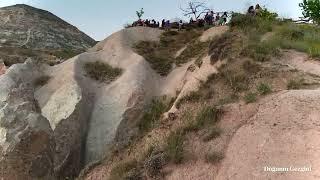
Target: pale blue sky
[100, 18]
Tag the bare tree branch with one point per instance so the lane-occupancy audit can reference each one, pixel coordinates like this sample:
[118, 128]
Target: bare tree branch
[195, 8]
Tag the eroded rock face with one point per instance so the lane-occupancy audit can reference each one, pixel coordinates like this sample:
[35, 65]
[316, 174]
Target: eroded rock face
[26, 139]
[63, 110]
[284, 133]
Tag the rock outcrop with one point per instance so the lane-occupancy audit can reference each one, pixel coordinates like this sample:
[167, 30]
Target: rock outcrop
[26, 139]
[88, 117]
[26, 31]
[104, 106]
[62, 113]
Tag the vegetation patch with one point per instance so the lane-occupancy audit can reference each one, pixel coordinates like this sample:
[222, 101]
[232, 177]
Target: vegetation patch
[286, 35]
[213, 133]
[236, 80]
[41, 81]
[304, 38]
[214, 157]
[174, 150]
[295, 83]
[126, 170]
[251, 67]
[225, 46]
[102, 72]
[65, 53]
[194, 49]
[161, 55]
[192, 97]
[250, 97]
[261, 51]
[208, 116]
[151, 115]
[264, 89]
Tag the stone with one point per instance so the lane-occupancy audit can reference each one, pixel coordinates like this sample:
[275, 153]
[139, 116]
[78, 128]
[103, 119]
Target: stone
[26, 139]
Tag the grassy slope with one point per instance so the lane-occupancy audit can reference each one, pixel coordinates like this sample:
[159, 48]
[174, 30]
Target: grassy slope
[161, 55]
[250, 72]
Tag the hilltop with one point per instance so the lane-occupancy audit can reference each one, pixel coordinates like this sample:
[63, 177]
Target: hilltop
[26, 31]
[217, 102]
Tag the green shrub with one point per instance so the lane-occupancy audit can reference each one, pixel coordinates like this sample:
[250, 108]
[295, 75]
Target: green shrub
[208, 116]
[174, 148]
[101, 71]
[266, 15]
[248, 23]
[152, 114]
[229, 99]
[314, 52]
[192, 97]
[261, 51]
[162, 64]
[126, 170]
[237, 81]
[242, 21]
[250, 97]
[264, 89]
[213, 133]
[295, 84]
[214, 157]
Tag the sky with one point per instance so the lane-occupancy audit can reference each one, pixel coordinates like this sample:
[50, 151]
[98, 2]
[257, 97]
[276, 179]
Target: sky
[100, 18]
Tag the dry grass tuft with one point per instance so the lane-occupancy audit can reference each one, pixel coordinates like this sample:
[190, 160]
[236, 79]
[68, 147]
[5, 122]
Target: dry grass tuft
[102, 72]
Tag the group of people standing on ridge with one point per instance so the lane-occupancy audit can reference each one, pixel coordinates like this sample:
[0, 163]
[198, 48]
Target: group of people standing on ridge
[147, 23]
[209, 19]
[253, 11]
[217, 20]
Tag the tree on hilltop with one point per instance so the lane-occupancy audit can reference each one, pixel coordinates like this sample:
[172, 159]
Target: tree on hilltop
[195, 9]
[140, 13]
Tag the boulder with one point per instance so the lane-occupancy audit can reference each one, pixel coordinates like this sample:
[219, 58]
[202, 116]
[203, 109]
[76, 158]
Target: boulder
[63, 110]
[26, 139]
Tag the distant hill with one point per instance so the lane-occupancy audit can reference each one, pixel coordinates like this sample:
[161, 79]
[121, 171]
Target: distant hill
[26, 31]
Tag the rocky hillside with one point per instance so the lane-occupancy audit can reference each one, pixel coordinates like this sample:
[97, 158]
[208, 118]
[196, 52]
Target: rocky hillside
[222, 103]
[26, 31]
